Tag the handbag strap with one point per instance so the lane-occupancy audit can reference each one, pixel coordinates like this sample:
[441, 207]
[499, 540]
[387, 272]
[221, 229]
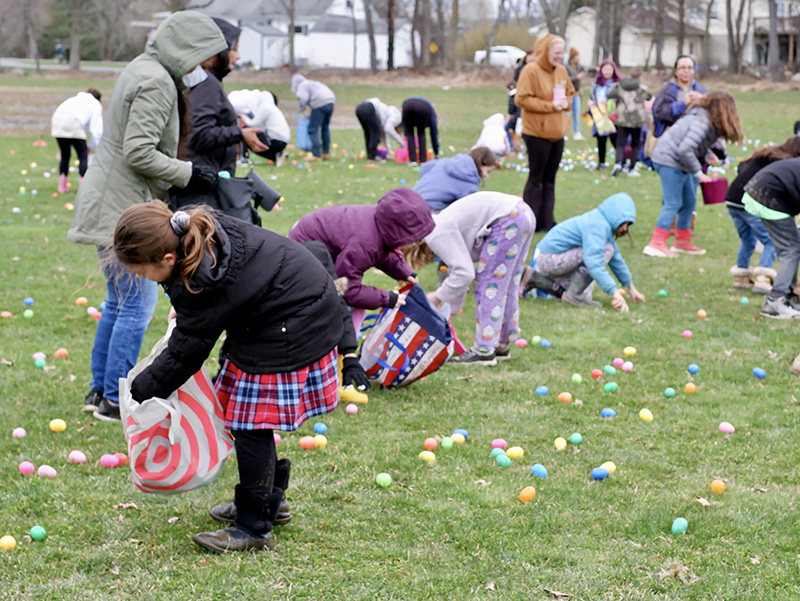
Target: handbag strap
[391, 338]
[369, 318]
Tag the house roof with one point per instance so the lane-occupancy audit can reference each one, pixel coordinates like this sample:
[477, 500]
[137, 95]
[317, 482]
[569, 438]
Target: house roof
[265, 30]
[343, 24]
[244, 10]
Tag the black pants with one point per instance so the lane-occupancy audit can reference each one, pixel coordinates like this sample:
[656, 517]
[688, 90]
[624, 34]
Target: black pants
[601, 146]
[64, 145]
[622, 139]
[256, 457]
[540, 189]
[416, 117]
[371, 124]
[275, 149]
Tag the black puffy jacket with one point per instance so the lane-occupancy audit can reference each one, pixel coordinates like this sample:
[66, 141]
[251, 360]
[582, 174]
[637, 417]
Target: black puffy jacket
[777, 186]
[276, 302]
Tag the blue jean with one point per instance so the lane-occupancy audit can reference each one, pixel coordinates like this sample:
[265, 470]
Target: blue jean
[129, 307]
[320, 119]
[751, 229]
[679, 197]
[576, 113]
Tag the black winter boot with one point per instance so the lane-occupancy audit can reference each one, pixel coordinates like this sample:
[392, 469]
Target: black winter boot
[227, 513]
[575, 292]
[541, 282]
[255, 511]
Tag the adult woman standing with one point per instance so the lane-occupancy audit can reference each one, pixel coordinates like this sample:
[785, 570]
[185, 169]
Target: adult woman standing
[575, 73]
[675, 95]
[136, 162]
[544, 93]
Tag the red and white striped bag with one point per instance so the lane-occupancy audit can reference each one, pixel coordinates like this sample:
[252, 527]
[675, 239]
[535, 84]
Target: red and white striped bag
[178, 443]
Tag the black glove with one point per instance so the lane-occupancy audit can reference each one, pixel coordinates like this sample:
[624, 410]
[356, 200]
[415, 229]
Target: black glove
[204, 179]
[353, 374]
[136, 395]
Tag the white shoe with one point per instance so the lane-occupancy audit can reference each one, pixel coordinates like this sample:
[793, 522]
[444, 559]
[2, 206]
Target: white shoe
[578, 136]
[634, 173]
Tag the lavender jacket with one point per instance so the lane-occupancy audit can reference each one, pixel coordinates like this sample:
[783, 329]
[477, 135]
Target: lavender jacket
[363, 236]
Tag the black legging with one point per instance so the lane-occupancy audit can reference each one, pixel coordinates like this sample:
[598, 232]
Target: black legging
[371, 124]
[64, 145]
[622, 139]
[256, 457]
[276, 147]
[540, 189]
[601, 146]
[416, 116]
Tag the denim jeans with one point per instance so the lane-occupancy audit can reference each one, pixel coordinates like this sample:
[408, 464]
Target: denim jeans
[129, 307]
[679, 197]
[576, 113]
[320, 119]
[750, 229]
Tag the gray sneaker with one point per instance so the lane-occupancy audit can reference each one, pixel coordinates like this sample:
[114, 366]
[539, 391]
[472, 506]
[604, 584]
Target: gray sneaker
[473, 357]
[779, 308]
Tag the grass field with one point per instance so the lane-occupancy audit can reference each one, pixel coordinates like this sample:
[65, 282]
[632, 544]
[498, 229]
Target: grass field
[454, 529]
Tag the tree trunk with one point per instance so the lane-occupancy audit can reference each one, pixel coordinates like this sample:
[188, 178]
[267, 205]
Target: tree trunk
[373, 53]
[598, 31]
[30, 34]
[451, 47]
[441, 35]
[390, 36]
[355, 34]
[548, 16]
[706, 37]
[425, 34]
[292, 66]
[658, 34]
[775, 65]
[501, 13]
[75, 42]
[681, 25]
[415, 56]
[564, 11]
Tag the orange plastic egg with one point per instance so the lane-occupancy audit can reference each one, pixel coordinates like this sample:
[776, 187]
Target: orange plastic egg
[718, 486]
[565, 397]
[526, 494]
[690, 387]
[308, 442]
[431, 444]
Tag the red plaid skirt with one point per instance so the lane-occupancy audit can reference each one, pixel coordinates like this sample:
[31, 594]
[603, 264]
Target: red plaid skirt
[277, 401]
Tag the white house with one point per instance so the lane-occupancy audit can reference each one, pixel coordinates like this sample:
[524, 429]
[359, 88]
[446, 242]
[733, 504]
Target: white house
[327, 33]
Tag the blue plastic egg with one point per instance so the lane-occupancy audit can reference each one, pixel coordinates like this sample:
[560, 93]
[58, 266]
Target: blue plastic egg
[608, 413]
[542, 390]
[759, 373]
[27, 300]
[320, 428]
[600, 473]
[461, 431]
[694, 368]
[402, 181]
[539, 470]
[545, 343]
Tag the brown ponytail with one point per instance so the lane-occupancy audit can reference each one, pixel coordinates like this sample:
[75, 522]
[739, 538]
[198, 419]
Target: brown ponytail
[144, 234]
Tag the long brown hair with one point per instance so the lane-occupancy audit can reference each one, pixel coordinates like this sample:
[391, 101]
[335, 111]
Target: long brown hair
[723, 115]
[790, 149]
[144, 235]
[483, 157]
[418, 254]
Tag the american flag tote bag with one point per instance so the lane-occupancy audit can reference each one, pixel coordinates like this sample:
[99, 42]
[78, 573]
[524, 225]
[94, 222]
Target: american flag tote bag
[406, 343]
[178, 443]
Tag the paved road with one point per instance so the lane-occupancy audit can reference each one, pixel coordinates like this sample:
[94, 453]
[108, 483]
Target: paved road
[20, 63]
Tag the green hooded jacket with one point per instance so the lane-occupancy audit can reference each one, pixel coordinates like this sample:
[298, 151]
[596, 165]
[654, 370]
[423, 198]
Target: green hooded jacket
[136, 158]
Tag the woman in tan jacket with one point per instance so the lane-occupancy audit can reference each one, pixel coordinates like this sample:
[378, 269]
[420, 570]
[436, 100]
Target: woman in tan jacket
[544, 93]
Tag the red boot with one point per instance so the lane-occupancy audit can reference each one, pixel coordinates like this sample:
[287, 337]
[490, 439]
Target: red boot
[657, 247]
[683, 243]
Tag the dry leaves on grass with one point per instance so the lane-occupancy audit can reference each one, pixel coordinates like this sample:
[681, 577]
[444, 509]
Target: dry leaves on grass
[490, 587]
[677, 570]
[125, 506]
[702, 501]
[557, 594]
[482, 482]
[755, 560]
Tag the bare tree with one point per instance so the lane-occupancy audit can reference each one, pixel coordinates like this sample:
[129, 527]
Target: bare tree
[373, 54]
[30, 32]
[681, 6]
[658, 33]
[451, 41]
[390, 35]
[289, 7]
[736, 37]
[501, 14]
[352, 7]
[775, 65]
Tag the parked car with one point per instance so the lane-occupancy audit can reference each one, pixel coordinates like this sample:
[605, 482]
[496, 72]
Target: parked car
[500, 56]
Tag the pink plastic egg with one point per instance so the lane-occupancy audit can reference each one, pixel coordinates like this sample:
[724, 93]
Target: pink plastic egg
[727, 428]
[46, 471]
[687, 334]
[499, 443]
[521, 342]
[109, 460]
[618, 362]
[277, 437]
[39, 355]
[627, 366]
[351, 409]
[19, 433]
[76, 457]
[26, 468]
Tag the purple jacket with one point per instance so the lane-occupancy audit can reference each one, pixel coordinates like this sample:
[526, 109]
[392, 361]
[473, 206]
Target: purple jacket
[363, 236]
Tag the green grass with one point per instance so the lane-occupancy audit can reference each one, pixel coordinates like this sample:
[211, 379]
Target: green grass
[454, 529]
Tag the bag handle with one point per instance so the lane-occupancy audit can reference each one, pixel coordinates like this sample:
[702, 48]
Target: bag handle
[399, 345]
[372, 318]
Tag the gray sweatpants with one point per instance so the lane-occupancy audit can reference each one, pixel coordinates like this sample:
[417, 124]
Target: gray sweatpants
[786, 240]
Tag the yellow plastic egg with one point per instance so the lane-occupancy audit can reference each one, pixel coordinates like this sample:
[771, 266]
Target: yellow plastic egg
[457, 438]
[646, 415]
[320, 441]
[58, 425]
[515, 452]
[427, 456]
[560, 443]
[610, 466]
[8, 543]
[629, 351]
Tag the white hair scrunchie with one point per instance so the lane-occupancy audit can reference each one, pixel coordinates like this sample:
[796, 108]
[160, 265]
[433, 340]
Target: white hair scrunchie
[180, 222]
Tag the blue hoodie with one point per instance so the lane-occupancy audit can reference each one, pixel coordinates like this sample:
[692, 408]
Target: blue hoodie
[444, 181]
[592, 231]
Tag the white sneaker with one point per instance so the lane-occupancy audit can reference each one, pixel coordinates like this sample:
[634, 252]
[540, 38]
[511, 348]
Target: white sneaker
[578, 136]
[634, 173]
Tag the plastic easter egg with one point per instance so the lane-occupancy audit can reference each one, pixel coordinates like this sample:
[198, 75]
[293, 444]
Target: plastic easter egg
[617, 362]
[102, 306]
[430, 444]
[27, 301]
[26, 468]
[457, 438]
[38, 533]
[597, 374]
[565, 397]
[58, 425]
[27, 314]
[39, 355]
[503, 460]
[19, 433]
[499, 443]
[542, 390]
[527, 494]
[46, 471]
[607, 412]
[277, 438]
[575, 438]
[693, 368]
[718, 486]
[447, 443]
[497, 451]
[662, 293]
[61, 353]
[351, 409]
[320, 441]
[427, 456]
[690, 388]
[383, 479]
[536, 340]
[600, 473]
[627, 366]
[610, 387]
[545, 343]
[320, 428]
[81, 300]
[610, 466]
[91, 311]
[646, 415]
[629, 351]
[515, 453]
[538, 470]
[560, 443]
[702, 314]
[122, 458]
[727, 428]
[669, 392]
[39, 363]
[759, 373]
[76, 457]
[8, 543]
[108, 460]
[576, 378]
[461, 431]
[687, 334]
[6, 314]
[745, 301]
[307, 442]
[679, 526]
[521, 343]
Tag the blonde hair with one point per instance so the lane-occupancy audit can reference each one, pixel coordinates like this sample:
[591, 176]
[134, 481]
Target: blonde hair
[418, 254]
[145, 234]
[723, 115]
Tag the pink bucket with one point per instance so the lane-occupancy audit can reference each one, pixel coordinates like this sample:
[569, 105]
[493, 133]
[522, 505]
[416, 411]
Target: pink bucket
[401, 155]
[714, 191]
